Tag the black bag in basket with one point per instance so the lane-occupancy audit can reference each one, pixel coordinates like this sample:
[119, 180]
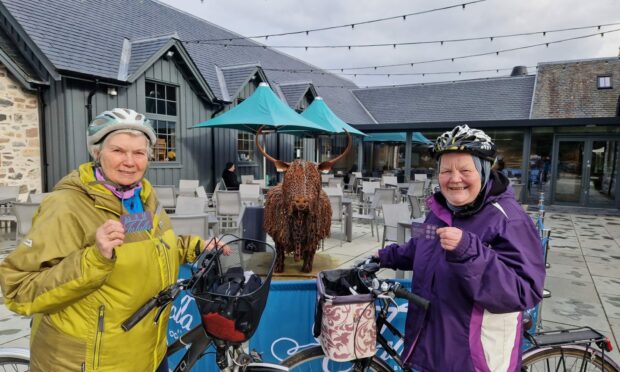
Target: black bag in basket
[232, 307]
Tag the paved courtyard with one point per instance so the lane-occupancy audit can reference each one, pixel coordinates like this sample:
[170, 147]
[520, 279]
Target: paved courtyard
[584, 277]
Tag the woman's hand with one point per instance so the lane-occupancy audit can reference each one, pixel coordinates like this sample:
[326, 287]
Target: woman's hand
[449, 237]
[212, 243]
[108, 236]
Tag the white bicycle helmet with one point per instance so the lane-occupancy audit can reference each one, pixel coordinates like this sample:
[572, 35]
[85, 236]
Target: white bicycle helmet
[117, 119]
[465, 139]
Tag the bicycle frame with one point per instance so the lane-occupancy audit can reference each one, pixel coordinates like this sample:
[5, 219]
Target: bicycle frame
[381, 340]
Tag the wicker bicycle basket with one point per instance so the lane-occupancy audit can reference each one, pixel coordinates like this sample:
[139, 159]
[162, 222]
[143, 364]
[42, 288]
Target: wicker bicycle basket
[232, 294]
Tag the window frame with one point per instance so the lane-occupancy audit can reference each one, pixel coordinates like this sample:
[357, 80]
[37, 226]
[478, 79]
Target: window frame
[299, 143]
[247, 138]
[601, 78]
[172, 120]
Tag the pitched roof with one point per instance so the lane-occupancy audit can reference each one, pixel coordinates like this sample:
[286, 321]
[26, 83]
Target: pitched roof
[88, 36]
[16, 63]
[294, 92]
[235, 77]
[466, 100]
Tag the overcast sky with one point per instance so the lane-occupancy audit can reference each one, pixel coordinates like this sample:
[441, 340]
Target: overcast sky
[487, 18]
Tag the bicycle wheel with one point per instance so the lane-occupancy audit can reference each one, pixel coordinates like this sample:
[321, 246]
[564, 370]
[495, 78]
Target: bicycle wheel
[13, 364]
[567, 358]
[313, 359]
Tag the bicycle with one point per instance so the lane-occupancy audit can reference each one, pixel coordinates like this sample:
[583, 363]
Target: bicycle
[208, 269]
[229, 318]
[14, 359]
[549, 351]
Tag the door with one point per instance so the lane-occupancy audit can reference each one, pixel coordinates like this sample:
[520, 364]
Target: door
[585, 171]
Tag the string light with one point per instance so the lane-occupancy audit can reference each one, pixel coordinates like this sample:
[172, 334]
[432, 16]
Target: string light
[440, 42]
[352, 25]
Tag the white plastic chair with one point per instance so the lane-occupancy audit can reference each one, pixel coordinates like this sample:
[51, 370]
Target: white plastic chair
[228, 209]
[247, 178]
[420, 176]
[518, 189]
[24, 212]
[368, 190]
[250, 194]
[393, 213]
[335, 182]
[188, 187]
[416, 206]
[338, 213]
[190, 224]
[37, 198]
[389, 180]
[166, 196]
[190, 205]
[333, 191]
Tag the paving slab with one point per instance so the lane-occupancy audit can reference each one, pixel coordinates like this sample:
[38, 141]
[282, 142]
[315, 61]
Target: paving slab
[604, 266]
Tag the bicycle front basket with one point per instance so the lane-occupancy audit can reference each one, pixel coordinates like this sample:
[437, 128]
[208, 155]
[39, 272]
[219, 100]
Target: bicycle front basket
[347, 321]
[231, 300]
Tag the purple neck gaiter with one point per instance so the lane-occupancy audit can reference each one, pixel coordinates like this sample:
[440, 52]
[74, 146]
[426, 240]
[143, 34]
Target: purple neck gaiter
[120, 194]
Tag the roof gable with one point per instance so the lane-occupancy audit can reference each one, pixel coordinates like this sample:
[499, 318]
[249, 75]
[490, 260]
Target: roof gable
[295, 92]
[16, 64]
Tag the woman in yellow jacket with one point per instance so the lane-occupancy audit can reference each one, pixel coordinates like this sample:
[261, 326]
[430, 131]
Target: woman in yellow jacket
[100, 247]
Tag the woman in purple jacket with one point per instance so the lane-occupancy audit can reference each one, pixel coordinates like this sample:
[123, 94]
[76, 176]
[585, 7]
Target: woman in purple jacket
[483, 268]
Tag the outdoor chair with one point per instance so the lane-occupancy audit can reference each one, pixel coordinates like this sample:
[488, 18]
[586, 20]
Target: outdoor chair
[9, 193]
[333, 191]
[24, 212]
[415, 206]
[389, 180]
[250, 194]
[202, 193]
[393, 214]
[419, 176]
[368, 190]
[338, 213]
[335, 182]
[166, 196]
[384, 196]
[37, 197]
[367, 211]
[325, 178]
[188, 187]
[351, 187]
[228, 210]
[190, 224]
[260, 182]
[187, 205]
[247, 178]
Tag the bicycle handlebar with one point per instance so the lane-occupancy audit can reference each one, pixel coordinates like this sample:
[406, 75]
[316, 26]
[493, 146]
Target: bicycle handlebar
[401, 292]
[141, 313]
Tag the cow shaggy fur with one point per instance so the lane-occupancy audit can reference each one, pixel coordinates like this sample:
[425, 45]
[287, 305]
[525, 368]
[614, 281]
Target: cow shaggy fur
[298, 214]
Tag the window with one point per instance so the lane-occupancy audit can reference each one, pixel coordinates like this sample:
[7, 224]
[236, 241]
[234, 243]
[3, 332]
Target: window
[299, 147]
[161, 99]
[604, 82]
[245, 147]
[161, 108]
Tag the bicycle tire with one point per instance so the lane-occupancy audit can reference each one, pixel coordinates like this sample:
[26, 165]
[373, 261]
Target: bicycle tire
[300, 362]
[18, 364]
[567, 357]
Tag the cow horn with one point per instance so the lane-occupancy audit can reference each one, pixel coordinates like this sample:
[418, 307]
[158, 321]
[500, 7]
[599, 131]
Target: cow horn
[279, 164]
[328, 164]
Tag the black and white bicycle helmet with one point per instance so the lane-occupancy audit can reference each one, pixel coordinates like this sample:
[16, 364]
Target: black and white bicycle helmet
[117, 119]
[464, 139]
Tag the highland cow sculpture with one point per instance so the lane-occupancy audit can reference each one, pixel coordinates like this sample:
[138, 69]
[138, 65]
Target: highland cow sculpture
[297, 212]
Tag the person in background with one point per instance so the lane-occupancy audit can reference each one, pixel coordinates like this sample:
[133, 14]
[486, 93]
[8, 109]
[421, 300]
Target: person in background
[479, 263]
[347, 176]
[499, 165]
[230, 177]
[100, 247]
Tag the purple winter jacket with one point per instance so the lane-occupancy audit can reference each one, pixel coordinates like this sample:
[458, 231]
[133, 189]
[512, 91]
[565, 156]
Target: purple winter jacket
[478, 291]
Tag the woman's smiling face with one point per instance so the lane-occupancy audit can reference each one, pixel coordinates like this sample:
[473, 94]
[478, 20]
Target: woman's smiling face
[459, 180]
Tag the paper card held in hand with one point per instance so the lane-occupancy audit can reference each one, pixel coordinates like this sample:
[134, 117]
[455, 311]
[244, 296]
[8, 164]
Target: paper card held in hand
[423, 230]
[133, 222]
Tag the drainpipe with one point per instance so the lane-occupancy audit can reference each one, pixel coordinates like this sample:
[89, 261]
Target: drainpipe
[89, 100]
[42, 140]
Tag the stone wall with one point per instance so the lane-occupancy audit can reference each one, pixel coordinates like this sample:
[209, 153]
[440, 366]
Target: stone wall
[20, 151]
[569, 90]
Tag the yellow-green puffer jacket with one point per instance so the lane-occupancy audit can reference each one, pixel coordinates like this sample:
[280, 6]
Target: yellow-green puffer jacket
[79, 297]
